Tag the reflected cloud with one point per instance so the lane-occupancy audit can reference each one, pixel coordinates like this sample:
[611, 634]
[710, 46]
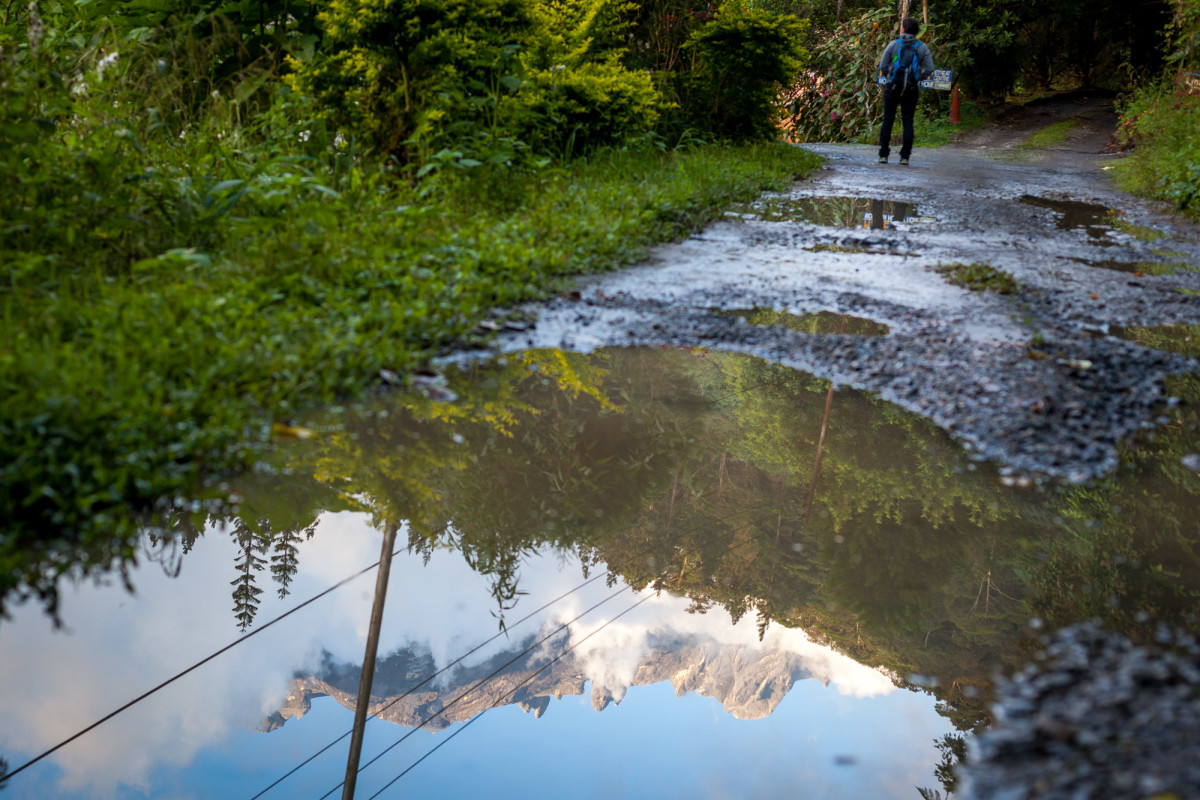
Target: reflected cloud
[112, 654]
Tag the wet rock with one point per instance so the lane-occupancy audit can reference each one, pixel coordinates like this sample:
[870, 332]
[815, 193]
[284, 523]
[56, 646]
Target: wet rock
[1095, 716]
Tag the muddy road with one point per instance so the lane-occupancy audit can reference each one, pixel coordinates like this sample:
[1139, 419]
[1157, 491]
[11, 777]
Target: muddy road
[1034, 378]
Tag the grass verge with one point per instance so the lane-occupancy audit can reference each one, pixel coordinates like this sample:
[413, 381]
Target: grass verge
[1163, 124]
[979, 278]
[1050, 136]
[120, 389]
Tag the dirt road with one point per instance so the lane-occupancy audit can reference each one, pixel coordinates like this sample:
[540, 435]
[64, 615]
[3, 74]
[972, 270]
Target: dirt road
[1032, 379]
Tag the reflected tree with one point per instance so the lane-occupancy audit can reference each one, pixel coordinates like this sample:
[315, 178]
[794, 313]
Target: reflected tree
[693, 472]
[252, 546]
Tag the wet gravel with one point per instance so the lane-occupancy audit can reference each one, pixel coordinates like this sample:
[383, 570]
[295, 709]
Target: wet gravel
[1094, 716]
[1030, 380]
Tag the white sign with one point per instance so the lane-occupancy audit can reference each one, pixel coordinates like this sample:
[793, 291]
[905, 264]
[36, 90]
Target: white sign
[941, 79]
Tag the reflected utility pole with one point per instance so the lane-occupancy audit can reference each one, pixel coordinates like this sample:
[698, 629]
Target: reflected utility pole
[368, 669]
[812, 489]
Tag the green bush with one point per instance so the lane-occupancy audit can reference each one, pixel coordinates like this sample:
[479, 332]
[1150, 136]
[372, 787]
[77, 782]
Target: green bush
[585, 30]
[742, 58]
[1163, 125]
[409, 75]
[567, 111]
[839, 99]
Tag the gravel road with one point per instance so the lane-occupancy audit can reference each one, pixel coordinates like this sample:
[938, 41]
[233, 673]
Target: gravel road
[1032, 379]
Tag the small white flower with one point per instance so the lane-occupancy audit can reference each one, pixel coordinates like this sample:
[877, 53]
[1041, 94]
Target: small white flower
[304, 136]
[216, 94]
[339, 141]
[106, 62]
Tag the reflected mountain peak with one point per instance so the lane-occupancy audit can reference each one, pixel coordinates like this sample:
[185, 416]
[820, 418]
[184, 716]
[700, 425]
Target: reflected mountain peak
[749, 681]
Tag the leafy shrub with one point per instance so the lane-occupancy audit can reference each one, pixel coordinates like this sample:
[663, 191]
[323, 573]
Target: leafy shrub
[660, 33]
[837, 99]
[566, 111]
[1163, 125]
[405, 73]
[585, 30]
[742, 57]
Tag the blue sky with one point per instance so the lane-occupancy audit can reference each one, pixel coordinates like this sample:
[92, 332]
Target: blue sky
[858, 736]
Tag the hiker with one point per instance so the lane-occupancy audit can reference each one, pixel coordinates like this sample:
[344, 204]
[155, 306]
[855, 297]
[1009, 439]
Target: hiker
[905, 62]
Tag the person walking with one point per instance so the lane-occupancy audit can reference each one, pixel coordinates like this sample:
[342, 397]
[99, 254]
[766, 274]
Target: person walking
[905, 62]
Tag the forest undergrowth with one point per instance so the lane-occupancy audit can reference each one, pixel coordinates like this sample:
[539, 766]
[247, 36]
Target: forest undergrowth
[199, 242]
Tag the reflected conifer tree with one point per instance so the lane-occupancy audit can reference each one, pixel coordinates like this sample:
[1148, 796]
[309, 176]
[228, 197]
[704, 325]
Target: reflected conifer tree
[745, 487]
[252, 546]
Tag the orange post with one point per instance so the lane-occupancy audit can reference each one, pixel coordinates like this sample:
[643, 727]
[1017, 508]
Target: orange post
[954, 117]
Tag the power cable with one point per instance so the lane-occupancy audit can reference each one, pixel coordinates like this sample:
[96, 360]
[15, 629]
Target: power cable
[448, 666]
[498, 702]
[515, 689]
[453, 663]
[190, 669]
[482, 681]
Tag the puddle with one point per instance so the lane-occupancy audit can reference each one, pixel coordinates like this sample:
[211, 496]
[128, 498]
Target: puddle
[1182, 339]
[839, 248]
[1140, 268]
[819, 322]
[1095, 219]
[711, 541]
[843, 212]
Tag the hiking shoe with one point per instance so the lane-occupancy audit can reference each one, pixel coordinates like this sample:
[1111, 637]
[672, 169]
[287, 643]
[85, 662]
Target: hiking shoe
[904, 162]
[883, 159]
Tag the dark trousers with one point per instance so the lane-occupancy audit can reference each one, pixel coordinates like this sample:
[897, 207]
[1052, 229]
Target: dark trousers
[907, 102]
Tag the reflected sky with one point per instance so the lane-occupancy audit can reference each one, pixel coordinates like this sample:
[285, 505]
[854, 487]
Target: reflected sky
[197, 738]
[830, 586]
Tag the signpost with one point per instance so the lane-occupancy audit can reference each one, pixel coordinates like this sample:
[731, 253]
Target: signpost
[941, 80]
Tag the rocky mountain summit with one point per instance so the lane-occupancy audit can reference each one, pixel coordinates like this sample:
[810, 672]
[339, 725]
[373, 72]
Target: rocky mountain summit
[749, 682]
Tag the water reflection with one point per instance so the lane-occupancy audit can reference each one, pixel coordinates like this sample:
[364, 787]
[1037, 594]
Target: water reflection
[1095, 219]
[847, 212]
[820, 322]
[794, 533]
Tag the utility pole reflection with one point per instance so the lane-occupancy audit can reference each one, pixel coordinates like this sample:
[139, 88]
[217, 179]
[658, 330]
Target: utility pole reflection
[368, 668]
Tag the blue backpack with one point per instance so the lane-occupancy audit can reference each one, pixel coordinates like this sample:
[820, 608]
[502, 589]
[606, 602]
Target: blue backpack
[905, 69]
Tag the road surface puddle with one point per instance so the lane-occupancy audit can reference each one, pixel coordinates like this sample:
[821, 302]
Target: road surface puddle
[1140, 268]
[820, 322]
[841, 212]
[1096, 220]
[1182, 339]
[667, 572]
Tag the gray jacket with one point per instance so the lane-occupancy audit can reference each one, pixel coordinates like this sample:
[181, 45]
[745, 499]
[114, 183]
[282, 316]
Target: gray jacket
[924, 57]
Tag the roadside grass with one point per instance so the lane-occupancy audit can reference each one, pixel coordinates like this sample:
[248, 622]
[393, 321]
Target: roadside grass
[1164, 267]
[1142, 233]
[1163, 125]
[1050, 136]
[978, 277]
[122, 385]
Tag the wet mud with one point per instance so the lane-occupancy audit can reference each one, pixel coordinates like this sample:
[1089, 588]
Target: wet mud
[1032, 380]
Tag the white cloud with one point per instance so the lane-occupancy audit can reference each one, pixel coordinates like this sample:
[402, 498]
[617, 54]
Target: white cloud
[119, 646]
